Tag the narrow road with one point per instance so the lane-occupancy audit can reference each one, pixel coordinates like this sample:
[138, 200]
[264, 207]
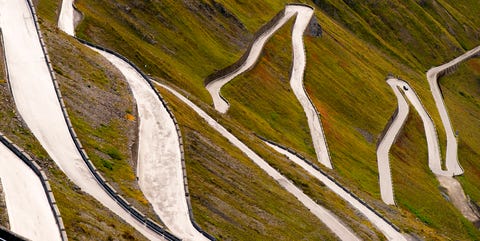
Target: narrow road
[29, 211]
[303, 15]
[159, 168]
[434, 157]
[445, 177]
[330, 220]
[38, 104]
[433, 74]
[383, 150]
[384, 227]
[66, 18]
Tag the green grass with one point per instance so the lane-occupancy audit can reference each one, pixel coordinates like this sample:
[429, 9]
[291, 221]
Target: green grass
[183, 42]
[83, 216]
[235, 200]
[357, 98]
[98, 100]
[462, 98]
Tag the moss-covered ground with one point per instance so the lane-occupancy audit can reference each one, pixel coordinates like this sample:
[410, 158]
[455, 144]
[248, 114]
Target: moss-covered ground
[182, 42]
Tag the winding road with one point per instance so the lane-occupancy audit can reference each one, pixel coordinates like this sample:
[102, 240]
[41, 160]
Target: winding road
[303, 15]
[390, 232]
[37, 102]
[383, 149]
[330, 220]
[453, 167]
[434, 156]
[433, 75]
[159, 168]
[29, 211]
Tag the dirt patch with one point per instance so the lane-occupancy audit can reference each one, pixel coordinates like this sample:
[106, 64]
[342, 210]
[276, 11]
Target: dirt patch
[457, 197]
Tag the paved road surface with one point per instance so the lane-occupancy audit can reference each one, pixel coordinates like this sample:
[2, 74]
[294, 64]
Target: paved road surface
[159, 166]
[330, 220]
[29, 212]
[303, 15]
[384, 227]
[37, 103]
[452, 163]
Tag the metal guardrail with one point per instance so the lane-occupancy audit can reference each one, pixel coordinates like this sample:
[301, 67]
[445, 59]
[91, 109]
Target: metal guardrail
[331, 179]
[98, 177]
[43, 179]
[7, 235]
[31, 163]
[165, 104]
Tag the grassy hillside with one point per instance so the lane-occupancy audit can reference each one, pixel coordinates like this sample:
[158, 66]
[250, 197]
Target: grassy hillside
[419, 33]
[462, 97]
[349, 90]
[182, 42]
[83, 216]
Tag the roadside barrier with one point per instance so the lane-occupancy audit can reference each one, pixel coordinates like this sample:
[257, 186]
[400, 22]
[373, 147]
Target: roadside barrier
[220, 73]
[223, 72]
[32, 164]
[330, 178]
[43, 179]
[165, 104]
[140, 217]
[7, 235]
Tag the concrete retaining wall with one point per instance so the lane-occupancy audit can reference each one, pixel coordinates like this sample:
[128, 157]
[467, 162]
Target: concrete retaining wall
[165, 104]
[43, 178]
[220, 73]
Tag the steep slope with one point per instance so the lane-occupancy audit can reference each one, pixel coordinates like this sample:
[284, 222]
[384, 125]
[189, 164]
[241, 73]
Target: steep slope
[184, 41]
[461, 91]
[346, 79]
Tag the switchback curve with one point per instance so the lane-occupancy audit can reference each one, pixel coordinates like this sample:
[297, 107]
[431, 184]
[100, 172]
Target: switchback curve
[303, 14]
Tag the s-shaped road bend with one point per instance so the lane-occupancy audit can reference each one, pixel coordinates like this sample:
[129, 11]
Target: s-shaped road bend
[433, 74]
[159, 168]
[303, 14]
[434, 159]
[38, 104]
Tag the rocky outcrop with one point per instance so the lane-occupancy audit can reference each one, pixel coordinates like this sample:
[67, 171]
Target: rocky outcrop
[314, 29]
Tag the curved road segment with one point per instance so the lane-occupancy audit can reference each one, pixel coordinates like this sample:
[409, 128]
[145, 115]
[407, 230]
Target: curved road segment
[433, 74]
[304, 14]
[434, 158]
[159, 167]
[384, 227]
[330, 220]
[446, 179]
[66, 18]
[29, 211]
[38, 104]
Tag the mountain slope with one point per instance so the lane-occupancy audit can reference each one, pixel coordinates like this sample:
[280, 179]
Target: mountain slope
[182, 42]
